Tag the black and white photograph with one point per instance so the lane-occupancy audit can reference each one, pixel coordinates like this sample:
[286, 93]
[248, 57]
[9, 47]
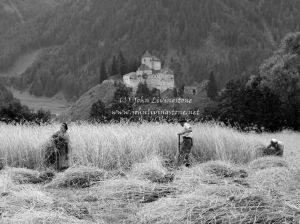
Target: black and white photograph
[149, 111]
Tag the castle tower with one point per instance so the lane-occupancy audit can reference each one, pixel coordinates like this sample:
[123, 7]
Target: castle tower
[147, 59]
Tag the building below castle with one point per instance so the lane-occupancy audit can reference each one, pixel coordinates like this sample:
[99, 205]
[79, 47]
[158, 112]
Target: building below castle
[151, 73]
[196, 89]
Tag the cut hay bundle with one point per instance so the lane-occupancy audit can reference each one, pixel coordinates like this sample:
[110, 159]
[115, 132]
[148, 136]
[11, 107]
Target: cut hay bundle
[78, 177]
[32, 195]
[28, 176]
[225, 191]
[223, 169]
[133, 190]
[272, 178]
[42, 216]
[23, 175]
[268, 162]
[152, 170]
[23, 197]
[198, 177]
[198, 208]
[191, 179]
[5, 183]
[76, 210]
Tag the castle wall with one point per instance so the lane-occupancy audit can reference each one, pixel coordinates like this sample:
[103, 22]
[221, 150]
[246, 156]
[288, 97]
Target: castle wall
[161, 81]
[156, 65]
[140, 72]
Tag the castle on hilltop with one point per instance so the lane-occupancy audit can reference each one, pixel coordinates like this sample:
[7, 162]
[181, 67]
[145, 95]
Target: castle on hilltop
[151, 73]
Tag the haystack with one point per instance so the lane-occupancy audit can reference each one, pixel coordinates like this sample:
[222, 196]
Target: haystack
[251, 207]
[78, 177]
[267, 162]
[152, 170]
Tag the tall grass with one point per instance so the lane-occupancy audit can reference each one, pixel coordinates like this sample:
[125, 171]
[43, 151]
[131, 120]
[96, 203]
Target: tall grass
[118, 146]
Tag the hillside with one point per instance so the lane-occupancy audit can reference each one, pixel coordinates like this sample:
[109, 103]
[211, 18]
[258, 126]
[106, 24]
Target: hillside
[193, 38]
[80, 110]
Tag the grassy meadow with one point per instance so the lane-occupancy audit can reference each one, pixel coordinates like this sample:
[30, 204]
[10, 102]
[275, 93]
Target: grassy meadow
[124, 173]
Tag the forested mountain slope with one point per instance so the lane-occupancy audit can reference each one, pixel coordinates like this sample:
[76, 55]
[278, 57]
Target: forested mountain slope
[193, 37]
[6, 96]
[13, 12]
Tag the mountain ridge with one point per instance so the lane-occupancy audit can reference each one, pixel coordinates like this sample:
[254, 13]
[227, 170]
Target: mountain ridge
[229, 37]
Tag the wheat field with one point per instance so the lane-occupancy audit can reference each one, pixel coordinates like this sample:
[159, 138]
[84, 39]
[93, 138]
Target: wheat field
[112, 146]
[120, 174]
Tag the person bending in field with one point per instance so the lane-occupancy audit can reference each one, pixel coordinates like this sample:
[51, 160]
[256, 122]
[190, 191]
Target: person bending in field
[275, 148]
[186, 145]
[58, 152]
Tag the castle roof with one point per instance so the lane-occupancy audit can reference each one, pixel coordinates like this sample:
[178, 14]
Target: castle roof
[154, 58]
[147, 55]
[144, 67]
[131, 75]
[168, 71]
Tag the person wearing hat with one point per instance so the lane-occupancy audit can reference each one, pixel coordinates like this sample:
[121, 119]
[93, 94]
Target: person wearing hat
[58, 153]
[186, 145]
[275, 148]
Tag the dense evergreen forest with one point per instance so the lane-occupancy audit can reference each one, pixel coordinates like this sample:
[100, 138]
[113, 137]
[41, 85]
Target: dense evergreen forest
[193, 37]
[13, 12]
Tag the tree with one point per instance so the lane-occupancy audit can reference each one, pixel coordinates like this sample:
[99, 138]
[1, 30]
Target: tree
[98, 112]
[121, 107]
[122, 64]
[181, 90]
[103, 72]
[143, 90]
[282, 75]
[175, 92]
[134, 65]
[121, 92]
[15, 112]
[246, 104]
[212, 89]
[114, 67]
